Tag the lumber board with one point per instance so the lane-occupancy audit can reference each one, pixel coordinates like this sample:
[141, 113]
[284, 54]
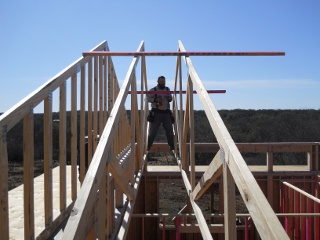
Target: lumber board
[16, 209]
[74, 136]
[309, 196]
[129, 210]
[194, 228]
[119, 175]
[4, 204]
[185, 125]
[95, 130]
[82, 131]
[48, 159]
[181, 53]
[268, 225]
[229, 203]
[102, 205]
[101, 97]
[213, 171]
[90, 141]
[63, 147]
[28, 166]
[76, 225]
[191, 125]
[198, 213]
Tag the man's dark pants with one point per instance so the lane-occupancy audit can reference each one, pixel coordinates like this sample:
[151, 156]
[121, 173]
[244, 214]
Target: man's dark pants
[165, 119]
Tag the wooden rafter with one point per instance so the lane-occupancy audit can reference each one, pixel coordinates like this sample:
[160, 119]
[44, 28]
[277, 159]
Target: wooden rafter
[213, 171]
[75, 227]
[118, 173]
[267, 223]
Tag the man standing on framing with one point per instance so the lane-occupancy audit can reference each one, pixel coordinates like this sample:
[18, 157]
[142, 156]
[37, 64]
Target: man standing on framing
[160, 112]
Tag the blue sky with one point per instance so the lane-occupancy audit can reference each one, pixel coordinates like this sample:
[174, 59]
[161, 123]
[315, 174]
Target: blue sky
[41, 38]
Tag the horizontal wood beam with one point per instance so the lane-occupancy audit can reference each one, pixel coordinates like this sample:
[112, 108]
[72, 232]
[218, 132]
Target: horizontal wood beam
[196, 53]
[194, 228]
[173, 92]
[283, 147]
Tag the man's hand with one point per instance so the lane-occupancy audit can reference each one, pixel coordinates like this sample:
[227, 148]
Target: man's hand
[161, 99]
[158, 100]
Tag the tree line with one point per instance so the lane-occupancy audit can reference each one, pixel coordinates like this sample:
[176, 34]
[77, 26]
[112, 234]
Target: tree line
[245, 126]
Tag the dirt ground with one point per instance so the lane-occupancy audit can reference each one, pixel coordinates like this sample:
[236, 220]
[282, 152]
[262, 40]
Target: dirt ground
[15, 174]
[173, 195]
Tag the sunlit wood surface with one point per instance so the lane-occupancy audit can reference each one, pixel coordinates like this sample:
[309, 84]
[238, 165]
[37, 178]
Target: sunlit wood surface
[16, 219]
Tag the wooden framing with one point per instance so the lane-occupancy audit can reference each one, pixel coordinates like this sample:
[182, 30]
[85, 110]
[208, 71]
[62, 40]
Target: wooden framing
[63, 147]
[181, 53]
[265, 220]
[4, 210]
[82, 144]
[48, 159]
[28, 160]
[76, 226]
[116, 158]
[24, 110]
[74, 136]
[212, 173]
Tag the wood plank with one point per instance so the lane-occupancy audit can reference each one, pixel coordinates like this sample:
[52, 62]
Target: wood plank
[110, 206]
[102, 206]
[119, 175]
[90, 124]
[74, 136]
[194, 228]
[4, 212]
[101, 97]
[139, 147]
[28, 175]
[213, 171]
[191, 124]
[143, 111]
[184, 162]
[82, 133]
[63, 147]
[16, 209]
[47, 139]
[263, 216]
[199, 216]
[95, 130]
[123, 231]
[76, 225]
[258, 147]
[309, 196]
[134, 107]
[229, 204]
[105, 91]
[181, 53]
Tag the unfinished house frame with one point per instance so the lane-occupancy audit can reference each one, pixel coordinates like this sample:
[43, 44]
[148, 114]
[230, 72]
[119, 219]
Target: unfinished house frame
[117, 197]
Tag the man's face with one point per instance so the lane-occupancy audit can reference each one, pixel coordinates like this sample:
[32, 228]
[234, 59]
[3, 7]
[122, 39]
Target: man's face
[162, 83]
